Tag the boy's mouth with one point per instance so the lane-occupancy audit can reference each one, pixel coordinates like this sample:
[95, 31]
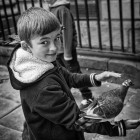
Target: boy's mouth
[51, 54]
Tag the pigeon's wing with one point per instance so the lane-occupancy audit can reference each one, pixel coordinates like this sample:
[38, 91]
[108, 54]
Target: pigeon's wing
[110, 93]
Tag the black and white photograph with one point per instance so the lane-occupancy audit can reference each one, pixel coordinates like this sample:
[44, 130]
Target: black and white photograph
[69, 69]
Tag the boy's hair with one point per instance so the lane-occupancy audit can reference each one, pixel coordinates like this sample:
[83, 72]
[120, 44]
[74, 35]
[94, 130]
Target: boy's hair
[36, 22]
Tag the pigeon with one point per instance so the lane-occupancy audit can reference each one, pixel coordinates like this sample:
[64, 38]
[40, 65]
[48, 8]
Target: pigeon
[108, 105]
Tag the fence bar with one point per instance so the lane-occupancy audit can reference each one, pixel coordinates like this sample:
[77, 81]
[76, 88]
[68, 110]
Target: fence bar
[40, 2]
[88, 26]
[98, 23]
[32, 1]
[18, 6]
[13, 16]
[25, 4]
[6, 16]
[132, 26]
[110, 27]
[1, 26]
[78, 23]
[8, 12]
[121, 25]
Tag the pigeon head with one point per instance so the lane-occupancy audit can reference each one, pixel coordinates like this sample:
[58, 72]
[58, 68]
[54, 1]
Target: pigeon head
[127, 83]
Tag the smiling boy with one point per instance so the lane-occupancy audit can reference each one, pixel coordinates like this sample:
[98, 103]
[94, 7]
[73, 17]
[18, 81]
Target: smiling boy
[50, 110]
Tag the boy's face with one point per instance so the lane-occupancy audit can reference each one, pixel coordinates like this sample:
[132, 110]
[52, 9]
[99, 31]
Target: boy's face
[45, 47]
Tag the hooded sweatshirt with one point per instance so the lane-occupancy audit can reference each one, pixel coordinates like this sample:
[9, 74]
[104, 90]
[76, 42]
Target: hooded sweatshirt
[61, 8]
[47, 102]
[49, 108]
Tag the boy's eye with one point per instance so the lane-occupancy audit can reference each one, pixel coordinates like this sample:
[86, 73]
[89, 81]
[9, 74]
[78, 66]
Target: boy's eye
[45, 42]
[58, 38]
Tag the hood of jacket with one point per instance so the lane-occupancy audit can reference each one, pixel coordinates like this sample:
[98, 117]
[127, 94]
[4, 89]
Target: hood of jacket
[60, 2]
[25, 69]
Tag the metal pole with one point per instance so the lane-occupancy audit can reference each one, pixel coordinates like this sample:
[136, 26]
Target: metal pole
[32, 3]
[25, 4]
[1, 26]
[40, 2]
[13, 16]
[110, 26]
[133, 26]
[6, 16]
[98, 23]
[121, 25]
[88, 26]
[78, 23]
[18, 6]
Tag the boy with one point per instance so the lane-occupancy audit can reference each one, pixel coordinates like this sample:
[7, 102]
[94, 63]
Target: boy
[48, 105]
[67, 55]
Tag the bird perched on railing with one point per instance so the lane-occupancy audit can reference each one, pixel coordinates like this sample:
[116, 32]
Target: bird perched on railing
[108, 105]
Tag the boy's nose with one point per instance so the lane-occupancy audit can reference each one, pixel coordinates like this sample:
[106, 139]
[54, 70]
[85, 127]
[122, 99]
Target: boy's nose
[53, 47]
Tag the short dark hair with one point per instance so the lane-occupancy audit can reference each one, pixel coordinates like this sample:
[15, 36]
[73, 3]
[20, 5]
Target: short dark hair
[36, 22]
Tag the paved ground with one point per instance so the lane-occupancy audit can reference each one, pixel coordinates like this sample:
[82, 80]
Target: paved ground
[11, 115]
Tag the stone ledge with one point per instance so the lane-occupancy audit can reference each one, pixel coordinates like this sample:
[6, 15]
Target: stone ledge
[98, 63]
[124, 66]
[128, 69]
[93, 62]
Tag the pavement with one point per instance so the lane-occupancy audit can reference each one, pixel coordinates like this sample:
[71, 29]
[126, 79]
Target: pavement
[12, 118]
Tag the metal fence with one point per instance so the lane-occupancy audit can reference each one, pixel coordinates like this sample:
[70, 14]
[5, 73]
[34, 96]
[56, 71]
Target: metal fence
[100, 30]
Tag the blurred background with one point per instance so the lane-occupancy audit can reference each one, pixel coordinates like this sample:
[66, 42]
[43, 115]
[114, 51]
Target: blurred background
[109, 39]
[103, 26]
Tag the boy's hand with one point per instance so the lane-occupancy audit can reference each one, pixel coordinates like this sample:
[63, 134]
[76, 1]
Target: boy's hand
[106, 75]
[131, 124]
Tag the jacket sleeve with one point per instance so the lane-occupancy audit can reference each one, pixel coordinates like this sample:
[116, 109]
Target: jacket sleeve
[103, 128]
[79, 80]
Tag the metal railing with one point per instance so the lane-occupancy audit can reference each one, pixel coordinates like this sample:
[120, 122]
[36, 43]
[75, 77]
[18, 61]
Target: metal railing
[88, 15]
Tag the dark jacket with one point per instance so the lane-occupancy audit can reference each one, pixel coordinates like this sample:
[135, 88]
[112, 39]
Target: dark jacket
[50, 109]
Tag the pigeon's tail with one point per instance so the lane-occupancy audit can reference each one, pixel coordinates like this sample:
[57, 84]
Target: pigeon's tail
[127, 83]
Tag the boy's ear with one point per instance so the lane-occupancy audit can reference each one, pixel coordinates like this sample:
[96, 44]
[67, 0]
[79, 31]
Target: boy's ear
[25, 46]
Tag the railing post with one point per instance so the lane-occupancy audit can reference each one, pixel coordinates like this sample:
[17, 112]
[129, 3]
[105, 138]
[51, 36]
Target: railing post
[88, 26]
[25, 4]
[6, 16]
[18, 6]
[132, 26]
[121, 25]
[110, 26]
[40, 2]
[32, 1]
[13, 16]
[78, 22]
[1, 26]
[98, 24]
